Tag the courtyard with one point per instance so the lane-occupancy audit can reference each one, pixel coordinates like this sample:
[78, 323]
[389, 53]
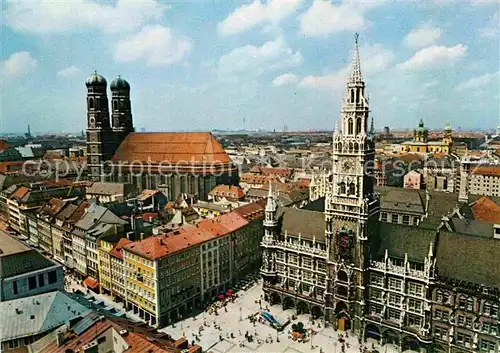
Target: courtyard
[226, 331]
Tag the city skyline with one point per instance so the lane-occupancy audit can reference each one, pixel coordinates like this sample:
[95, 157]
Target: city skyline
[251, 65]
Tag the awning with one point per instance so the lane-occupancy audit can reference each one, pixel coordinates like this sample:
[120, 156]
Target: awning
[90, 282]
[221, 296]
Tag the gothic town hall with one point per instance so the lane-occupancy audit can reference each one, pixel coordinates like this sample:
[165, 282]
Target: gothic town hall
[431, 286]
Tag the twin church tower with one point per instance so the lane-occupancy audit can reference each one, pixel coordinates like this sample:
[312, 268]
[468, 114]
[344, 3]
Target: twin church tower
[105, 135]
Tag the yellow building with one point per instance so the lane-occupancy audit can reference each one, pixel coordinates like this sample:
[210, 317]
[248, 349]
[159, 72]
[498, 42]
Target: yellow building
[421, 144]
[105, 245]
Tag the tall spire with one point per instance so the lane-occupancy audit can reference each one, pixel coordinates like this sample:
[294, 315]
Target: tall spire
[355, 76]
[270, 193]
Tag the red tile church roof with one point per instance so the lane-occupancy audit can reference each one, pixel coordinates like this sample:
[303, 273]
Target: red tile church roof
[172, 147]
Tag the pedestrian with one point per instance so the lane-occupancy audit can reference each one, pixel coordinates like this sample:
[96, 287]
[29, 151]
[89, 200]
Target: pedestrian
[239, 331]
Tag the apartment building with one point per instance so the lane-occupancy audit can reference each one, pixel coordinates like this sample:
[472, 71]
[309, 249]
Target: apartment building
[96, 222]
[118, 278]
[485, 180]
[104, 247]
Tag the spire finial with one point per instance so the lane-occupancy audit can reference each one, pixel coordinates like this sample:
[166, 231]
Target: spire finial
[355, 66]
[270, 194]
[95, 72]
[336, 131]
[372, 127]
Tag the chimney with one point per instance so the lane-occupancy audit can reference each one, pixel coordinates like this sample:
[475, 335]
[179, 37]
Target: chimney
[91, 347]
[60, 339]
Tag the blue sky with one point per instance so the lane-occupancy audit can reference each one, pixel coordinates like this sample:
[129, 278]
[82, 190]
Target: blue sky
[200, 65]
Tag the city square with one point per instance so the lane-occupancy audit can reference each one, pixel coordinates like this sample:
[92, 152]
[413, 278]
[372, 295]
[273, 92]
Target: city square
[233, 325]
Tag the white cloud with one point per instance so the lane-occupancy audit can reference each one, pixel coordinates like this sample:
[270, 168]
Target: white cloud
[430, 84]
[68, 72]
[42, 17]
[434, 56]
[252, 60]
[333, 81]
[324, 17]
[18, 64]
[256, 13]
[374, 59]
[479, 81]
[285, 79]
[422, 36]
[155, 44]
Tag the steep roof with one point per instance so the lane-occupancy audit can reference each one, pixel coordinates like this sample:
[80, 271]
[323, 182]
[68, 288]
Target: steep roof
[95, 214]
[469, 258]
[229, 191]
[117, 249]
[251, 211]
[36, 314]
[173, 147]
[486, 210]
[400, 239]
[110, 189]
[156, 247]
[223, 224]
[307, 224]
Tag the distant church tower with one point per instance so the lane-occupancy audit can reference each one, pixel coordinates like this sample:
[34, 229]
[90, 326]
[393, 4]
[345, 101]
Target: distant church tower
[100, 138]
[121, 113]
[351, 208]
[103, 136]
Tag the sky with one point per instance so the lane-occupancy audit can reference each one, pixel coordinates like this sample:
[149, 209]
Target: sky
[203, 65]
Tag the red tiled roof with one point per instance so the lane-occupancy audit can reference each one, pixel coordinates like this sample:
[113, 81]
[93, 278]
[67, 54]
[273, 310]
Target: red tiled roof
[149, 216]
[487, 170]
[137, 342]
[175, 147]
[20, 192]
[156, 247]
[223, 224]
[11, 166]
[91, 283]
[486, 210]
[251, 211]
[4, 145]
[230, 191]
[146, 194]
[117, 249]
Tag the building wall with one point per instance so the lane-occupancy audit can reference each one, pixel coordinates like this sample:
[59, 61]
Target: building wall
[488, 185]
[19, 286]
[104, 265]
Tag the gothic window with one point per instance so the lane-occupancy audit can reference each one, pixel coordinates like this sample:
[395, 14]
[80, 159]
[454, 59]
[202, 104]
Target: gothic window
[358, 126]
[342, 188]
[351, 99]
[342, 276]
[352, 189]
[356, 147]
[339, 146]
[470, 304]
[115, 105]
[351, 147]
[350, 126]
[342, 291]
[91, 103]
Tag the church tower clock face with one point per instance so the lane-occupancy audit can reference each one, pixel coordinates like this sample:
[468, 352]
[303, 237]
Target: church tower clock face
[348, 165]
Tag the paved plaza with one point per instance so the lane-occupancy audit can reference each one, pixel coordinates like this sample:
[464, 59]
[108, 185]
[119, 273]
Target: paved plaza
[236, 321]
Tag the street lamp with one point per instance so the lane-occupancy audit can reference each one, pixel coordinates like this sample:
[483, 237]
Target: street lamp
[334, 347]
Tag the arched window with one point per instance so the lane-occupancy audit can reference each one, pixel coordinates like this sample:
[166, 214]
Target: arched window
[358, 97]
[342, 188]
[351, 98]
[91, 103]
[356, 147]
[115, 105]
[352, 189]
[350, 127]
[358, 126]
[470, 304]
[342, 291]
[342, 276]
[351, 147]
